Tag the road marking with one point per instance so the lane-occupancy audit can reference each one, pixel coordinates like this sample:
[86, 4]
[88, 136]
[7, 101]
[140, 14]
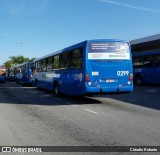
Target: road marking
[91, 111]
[151, 91]
[18, 87]
[71, 104]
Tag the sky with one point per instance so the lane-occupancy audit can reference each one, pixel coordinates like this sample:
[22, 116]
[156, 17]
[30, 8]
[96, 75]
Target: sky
[34, 28]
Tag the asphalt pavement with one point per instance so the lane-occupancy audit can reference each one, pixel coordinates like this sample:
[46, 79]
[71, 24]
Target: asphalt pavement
[31, 117]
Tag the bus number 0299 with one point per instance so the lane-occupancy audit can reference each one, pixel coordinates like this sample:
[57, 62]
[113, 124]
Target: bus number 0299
[122, 73]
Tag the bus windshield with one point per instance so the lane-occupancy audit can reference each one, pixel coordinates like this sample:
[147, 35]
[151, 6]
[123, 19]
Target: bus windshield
[108, 51]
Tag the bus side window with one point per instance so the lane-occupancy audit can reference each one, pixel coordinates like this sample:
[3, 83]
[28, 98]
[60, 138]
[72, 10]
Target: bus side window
[56, 62]
[75, 61]
[44, 68]
[49, 64]
[36, 67]
[148, 61]
[64, 60]
[39, 66]
[18, 70]
[33, 68]
[157, 61]
[138, 62]
[158, 58]
[23, 69]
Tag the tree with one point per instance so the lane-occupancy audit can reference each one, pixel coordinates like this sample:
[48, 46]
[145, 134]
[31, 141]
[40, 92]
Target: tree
[8, 64]
[16, 60]
[32, 59]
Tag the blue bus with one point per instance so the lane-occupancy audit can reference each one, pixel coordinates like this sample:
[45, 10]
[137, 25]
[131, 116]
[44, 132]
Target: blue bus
[23, 73]
[11, 74]
[92, 66]
[146, 67]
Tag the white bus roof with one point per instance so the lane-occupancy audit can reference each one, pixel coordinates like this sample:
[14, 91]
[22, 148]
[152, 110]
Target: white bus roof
[146, 44]
[145, 39]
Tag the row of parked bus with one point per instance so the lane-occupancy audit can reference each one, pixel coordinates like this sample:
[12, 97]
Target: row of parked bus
[21, 73]
[93, 66]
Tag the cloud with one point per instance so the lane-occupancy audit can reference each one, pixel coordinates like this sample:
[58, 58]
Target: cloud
[22, 7]
[131, 6]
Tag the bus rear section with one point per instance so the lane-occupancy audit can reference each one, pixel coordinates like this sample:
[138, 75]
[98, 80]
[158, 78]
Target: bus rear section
[23, 74]
[108, 67]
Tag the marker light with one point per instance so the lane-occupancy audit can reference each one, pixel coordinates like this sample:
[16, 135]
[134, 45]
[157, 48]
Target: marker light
[29, 76]
[87, 78]
[130, 77]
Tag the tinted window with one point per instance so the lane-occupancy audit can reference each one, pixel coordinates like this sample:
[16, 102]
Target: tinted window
[138, 61]
[56, 62]
[49, 64]
[148, 61]
[75, 58]
[43, 65]
[64, 60]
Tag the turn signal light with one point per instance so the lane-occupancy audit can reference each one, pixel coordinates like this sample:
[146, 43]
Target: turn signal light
[87, 78]
[130, 77]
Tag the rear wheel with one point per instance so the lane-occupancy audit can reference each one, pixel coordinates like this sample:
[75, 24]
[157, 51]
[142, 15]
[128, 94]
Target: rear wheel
[139, 80]
[37, 84]
[56, 89]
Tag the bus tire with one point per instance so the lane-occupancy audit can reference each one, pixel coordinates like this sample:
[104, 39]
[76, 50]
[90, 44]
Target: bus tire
[138, 80]
[36, 84]
[56, 89]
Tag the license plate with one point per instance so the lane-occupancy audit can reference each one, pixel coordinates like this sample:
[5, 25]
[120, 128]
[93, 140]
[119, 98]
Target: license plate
[110, 80]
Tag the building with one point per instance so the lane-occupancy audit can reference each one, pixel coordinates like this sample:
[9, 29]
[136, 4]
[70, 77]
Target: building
[2, 70]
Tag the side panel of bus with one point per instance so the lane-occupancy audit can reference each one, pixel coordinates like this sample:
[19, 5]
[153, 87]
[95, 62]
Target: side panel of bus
[71, 82]
[69, 78]
[146, 67]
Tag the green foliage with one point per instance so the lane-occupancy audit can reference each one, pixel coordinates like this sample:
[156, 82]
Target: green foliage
[8, 64]
[32, 59]
[16, 60]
